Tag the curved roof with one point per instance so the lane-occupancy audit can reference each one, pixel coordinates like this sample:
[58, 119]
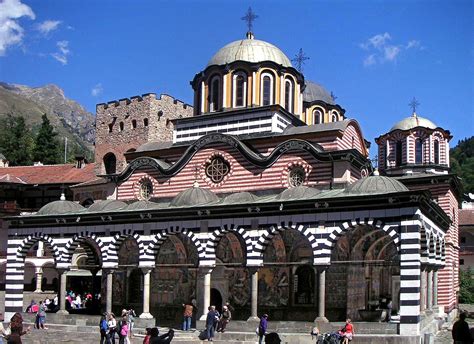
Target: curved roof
[375, 185]
[250, 50]
[240, 197]
[142, 205]
[194, 196]
[314, 92]
[60, 207]
[298, 192]
[106, 205]
[413, 122]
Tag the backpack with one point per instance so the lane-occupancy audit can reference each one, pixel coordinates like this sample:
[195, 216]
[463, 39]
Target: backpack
[123, 328]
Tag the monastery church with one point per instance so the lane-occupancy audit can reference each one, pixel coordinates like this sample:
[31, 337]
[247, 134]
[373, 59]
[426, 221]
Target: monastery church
[261, 194]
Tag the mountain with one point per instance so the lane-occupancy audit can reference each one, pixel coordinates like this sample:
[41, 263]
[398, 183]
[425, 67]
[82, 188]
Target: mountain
[68, 117]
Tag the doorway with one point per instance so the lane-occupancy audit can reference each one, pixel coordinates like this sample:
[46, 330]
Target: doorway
[216, 299]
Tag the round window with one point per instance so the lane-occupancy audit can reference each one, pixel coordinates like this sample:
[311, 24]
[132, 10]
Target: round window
[146, 189]
[217, 169]
[296, 177]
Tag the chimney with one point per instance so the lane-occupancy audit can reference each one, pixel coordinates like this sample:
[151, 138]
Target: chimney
[81, 161]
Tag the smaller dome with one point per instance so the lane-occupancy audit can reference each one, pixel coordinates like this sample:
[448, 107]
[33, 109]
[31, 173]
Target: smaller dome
[413, 122]
[194, 196]
[240, 197]
[298, 192]
[375, 185]
[106, 205]
[60, 207]
[142, 205]
[314, 92]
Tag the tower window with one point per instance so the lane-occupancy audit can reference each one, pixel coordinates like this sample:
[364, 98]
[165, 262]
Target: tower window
[121, 126]
[111, 127]
[398, 153]
[418, 151]
[214, 94]
[317, 117]
[296, 177]
[289, 95]
[334, 117]
[240, 88]
[217, 169]
[436, 152]
[145, 122]
[267, 89]
[110, 163]
[134, 123]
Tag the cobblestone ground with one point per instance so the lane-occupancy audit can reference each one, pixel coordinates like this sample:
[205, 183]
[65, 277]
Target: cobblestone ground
[444, 336]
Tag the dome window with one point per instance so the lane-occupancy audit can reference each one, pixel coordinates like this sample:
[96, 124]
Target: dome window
[398, 153]
[267, 89]
[418, 152]
[289, 95]
[436, 152]
[146, 189]
[214, 94]
[217, 169]
[296, 177]
[240, 89]
[134, 123]
[334, 117]
[317, 117]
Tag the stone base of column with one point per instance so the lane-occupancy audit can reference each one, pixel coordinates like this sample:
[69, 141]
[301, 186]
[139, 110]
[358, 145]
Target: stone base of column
[321, 319]
[203, 317]
[62, 312]
[38, 291]
[253, 319]
[146, 316]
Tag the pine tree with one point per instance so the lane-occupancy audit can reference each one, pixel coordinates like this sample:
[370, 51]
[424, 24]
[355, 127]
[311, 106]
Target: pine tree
[16, 141]
[46, 148]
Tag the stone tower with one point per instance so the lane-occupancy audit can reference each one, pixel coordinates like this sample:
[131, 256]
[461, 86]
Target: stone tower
[124, 125]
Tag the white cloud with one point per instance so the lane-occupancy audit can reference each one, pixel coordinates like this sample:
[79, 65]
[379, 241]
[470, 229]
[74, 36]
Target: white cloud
[62, 54]
[48, 26]
[97, 90]
[11, 33]
[381, 49]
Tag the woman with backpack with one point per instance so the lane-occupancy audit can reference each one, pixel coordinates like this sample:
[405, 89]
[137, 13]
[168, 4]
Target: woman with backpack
[122, 330]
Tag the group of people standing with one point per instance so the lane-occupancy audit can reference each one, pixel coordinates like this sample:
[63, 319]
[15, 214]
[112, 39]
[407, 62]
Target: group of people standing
[216, 321]
[123, 328]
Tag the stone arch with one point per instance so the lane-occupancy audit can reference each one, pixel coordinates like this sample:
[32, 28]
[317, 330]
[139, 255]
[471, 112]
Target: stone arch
[160, 238]
[268, 235]
[111, 256]
[31, 240]
[216, 236]
[110, 163]
[346, 226]
[79, 238]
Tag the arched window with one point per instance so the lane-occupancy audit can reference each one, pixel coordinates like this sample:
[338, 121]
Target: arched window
[267, 89]
[398, 153]
[121, 126]
[111, 127]
[436, 151]
[145, 122]
[418, 151]
[334, 117]
[214, 89]
[240, 89]
[134, 123]
[318, 117]
[110, 163]
[289, 95]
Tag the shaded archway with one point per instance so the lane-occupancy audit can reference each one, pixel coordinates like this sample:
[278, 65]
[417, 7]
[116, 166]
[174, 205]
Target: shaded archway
[127, 288]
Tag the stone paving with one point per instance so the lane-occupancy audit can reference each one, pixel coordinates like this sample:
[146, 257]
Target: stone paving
[445, 336]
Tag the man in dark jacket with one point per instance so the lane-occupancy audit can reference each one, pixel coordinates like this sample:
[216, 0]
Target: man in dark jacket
[211, 320]
[155, 338]
[262, 328]
[461, 332]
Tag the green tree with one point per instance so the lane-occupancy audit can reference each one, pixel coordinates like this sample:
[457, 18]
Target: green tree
[47, 145]
[462, 162]
[466, 288]
[16, 141]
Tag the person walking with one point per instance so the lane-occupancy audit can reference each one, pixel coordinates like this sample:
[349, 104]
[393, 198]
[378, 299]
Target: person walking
[41, 314]
[461, 333]
[112, 326]
[104, 329]
[16, 327]
[166, 338]
[187, 316]
[262, 328]
[347, 332]
[122, 330]
[224, 320]
[211, 319]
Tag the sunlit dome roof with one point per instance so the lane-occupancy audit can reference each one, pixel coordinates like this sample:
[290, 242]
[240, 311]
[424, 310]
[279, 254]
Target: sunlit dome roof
[194, 196]
[375, 185]
[314, 92]
[413, 122]
[250, 50]
[106, 205]
[60, 208]
[298, 192]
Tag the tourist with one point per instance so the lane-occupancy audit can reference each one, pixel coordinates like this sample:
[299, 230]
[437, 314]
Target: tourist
[224, 319]
[211, 319]
[315, 333]
[104, 329]
[112, 326]
[461, 333]
[272, 338]
[131, 315]
[78, 302]
[155, 338]
[229, 307]
[262, 328]
[347, 332]
[389, 310]
[146, 340]
[3, 332]
[122, 330]
[41, 316]
[187, 316]
[16, 328]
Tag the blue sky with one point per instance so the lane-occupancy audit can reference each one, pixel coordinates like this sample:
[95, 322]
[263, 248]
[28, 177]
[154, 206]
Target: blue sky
[374, 55]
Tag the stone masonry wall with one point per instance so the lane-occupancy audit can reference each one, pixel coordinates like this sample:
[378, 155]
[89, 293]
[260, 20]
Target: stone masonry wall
[121, 127]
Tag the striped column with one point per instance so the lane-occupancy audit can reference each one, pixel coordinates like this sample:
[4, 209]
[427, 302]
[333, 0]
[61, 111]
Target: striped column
[15, 275]
[410, 273]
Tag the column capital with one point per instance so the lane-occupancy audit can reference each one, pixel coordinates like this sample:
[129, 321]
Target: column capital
[146, 269]
[204, 270]
[253, 269]
[321, 268]
[108, 271]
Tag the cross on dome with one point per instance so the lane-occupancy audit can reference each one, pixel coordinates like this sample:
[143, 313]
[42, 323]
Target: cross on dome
[249, 17]
[414, 104]
[299, 59]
